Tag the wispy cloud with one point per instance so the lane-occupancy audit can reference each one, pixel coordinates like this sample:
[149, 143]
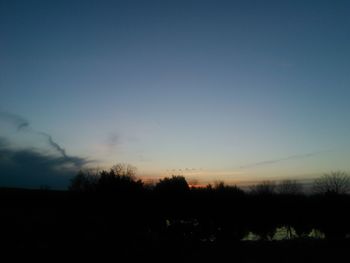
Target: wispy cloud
[291, 157]
[183, 169]
[113, 139]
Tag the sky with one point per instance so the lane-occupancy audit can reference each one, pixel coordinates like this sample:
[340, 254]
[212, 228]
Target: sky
[237, 91]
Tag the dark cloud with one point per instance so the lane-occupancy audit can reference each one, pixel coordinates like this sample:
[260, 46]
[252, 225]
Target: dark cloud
[28, 168]
[3, 143]
[20, 123]
[291, 157]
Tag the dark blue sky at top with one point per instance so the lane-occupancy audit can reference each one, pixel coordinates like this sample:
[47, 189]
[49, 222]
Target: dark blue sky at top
[169, 85]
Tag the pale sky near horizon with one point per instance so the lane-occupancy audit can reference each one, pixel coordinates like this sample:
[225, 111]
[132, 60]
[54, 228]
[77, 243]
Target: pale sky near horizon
[214, 90]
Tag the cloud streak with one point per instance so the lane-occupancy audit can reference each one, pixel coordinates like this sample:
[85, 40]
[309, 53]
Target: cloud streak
[291, 157]
[54, 144]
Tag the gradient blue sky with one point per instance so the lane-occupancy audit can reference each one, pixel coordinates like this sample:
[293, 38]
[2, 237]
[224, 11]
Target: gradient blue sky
[213, 90]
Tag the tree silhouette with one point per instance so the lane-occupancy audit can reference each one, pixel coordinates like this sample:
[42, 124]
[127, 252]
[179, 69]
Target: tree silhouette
[172, 214]
[83, 182]
[223, 188]
[263, 188]
[120, 179]
[335, 182]
[289, 187]
[175, 184]
[126, 170]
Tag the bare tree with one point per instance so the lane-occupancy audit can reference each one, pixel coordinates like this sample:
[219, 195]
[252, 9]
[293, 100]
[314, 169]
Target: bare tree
[335, 182]
[122, 169]
[289, 187]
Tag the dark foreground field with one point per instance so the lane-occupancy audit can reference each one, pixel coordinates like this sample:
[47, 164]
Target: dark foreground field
[196, 225]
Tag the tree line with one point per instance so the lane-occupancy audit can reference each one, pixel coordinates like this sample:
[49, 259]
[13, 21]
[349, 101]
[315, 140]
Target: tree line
[174, 211]
[115, 209]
